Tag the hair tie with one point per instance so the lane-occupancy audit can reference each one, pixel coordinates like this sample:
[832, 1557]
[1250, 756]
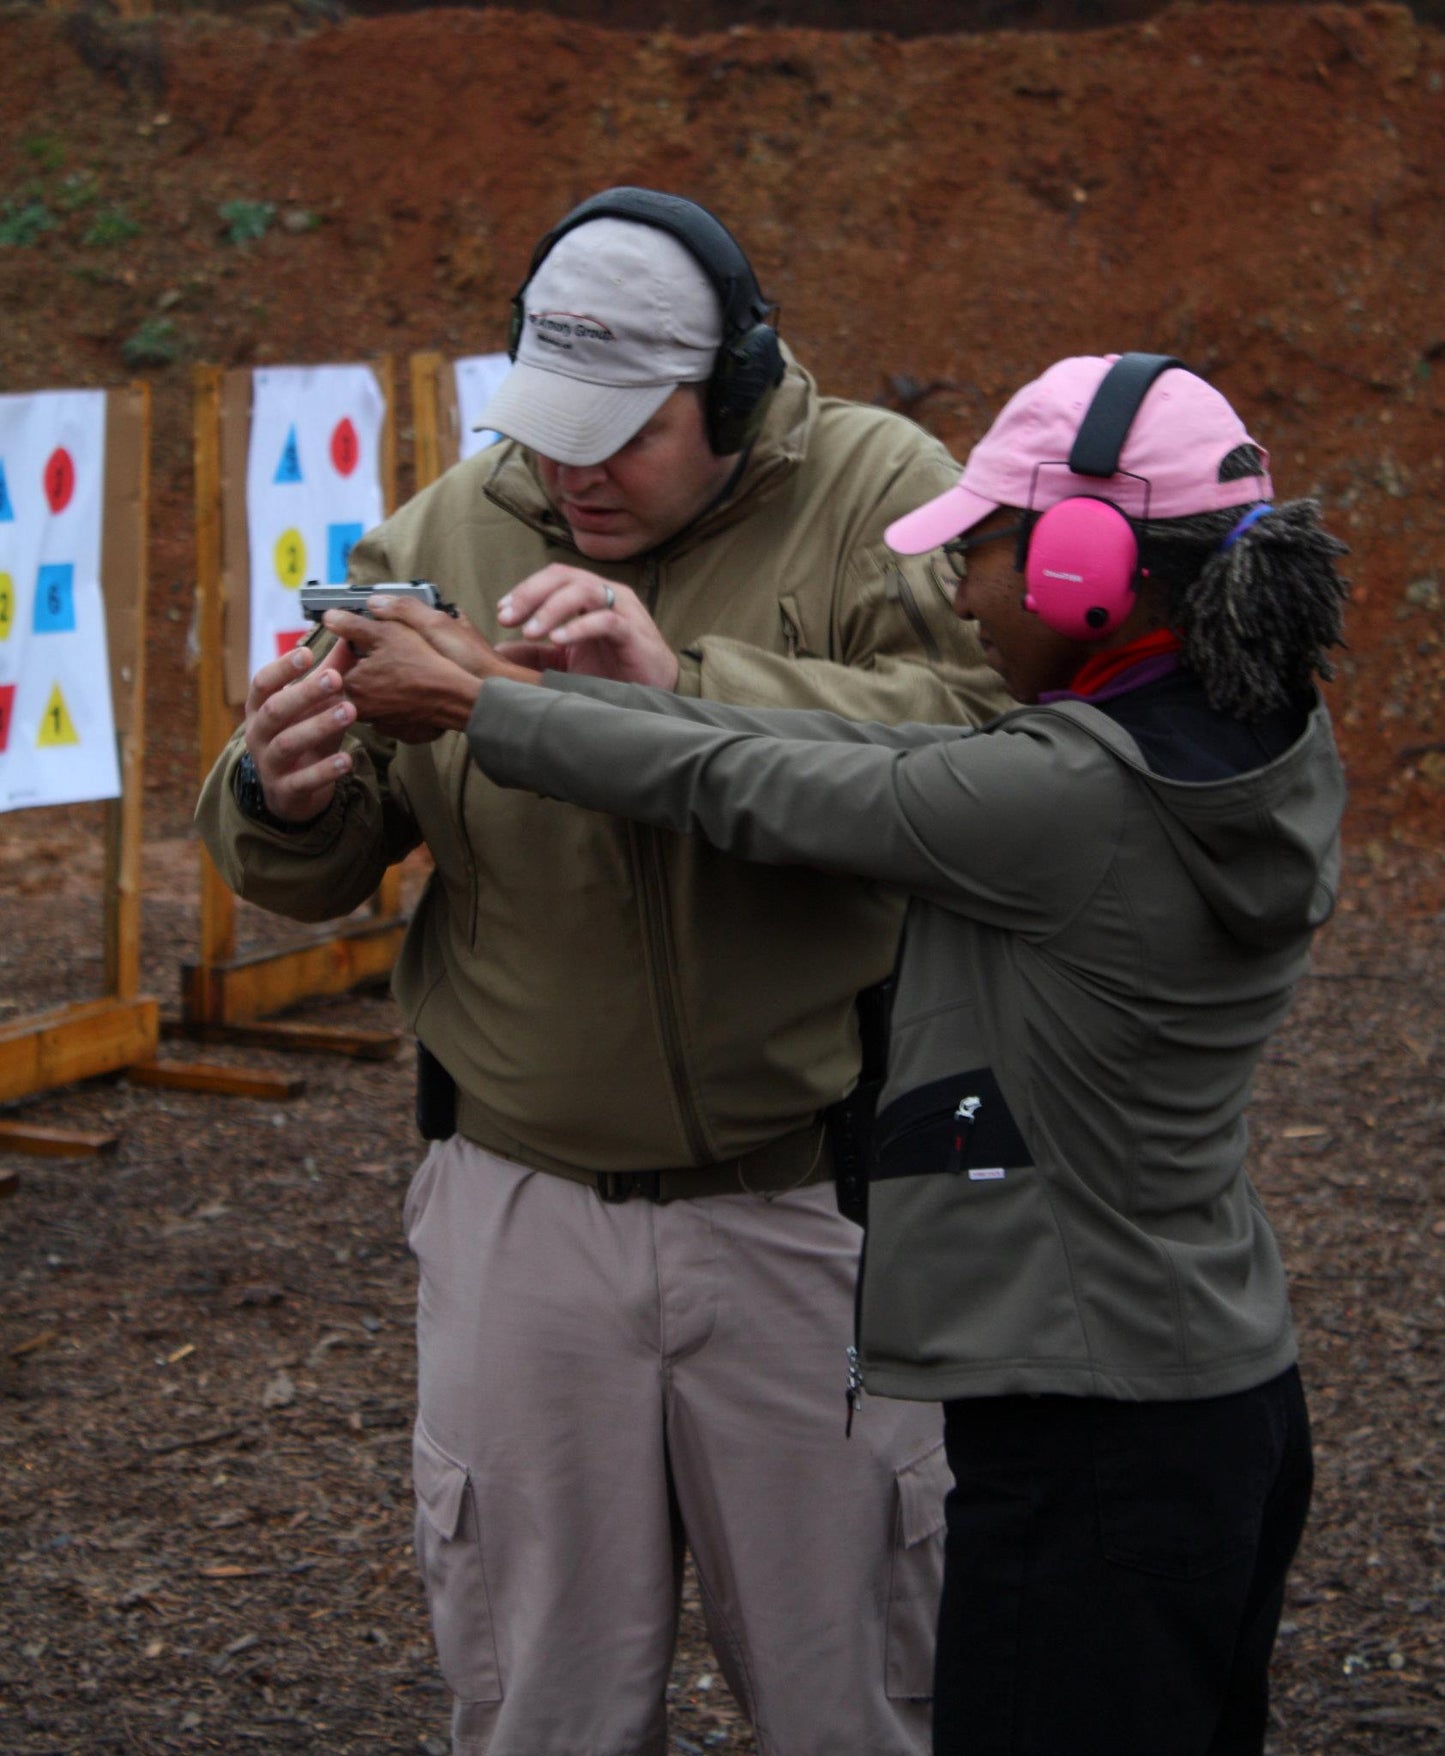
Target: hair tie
[1253, 516]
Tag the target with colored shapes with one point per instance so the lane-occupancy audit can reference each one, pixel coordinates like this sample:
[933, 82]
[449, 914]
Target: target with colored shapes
[59, 479]
[59, 743]
[56, 725]
[55, 598]
[291, 559]
[325, 424]
[345, 446]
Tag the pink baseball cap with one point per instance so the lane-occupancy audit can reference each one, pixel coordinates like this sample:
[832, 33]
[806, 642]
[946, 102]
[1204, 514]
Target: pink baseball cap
[1181, 435]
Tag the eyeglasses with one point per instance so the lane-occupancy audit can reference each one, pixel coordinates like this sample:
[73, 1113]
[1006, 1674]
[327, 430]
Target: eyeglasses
[956, 551]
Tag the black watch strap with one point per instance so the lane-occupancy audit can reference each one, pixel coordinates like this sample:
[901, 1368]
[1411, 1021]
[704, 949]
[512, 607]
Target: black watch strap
[251, 797]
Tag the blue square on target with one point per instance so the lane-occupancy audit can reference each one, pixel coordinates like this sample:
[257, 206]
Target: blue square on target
[339, 538]
[55, 598]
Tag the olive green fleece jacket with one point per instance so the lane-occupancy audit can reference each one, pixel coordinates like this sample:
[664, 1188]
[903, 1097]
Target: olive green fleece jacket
[610, 997]
[1095, 956]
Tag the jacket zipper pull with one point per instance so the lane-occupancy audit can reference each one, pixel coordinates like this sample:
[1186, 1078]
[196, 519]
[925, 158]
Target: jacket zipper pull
[855, 1390]
[963, 1120]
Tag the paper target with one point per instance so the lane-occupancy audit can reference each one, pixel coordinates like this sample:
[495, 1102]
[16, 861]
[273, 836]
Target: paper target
[313, 487]
[57, 723]
[478, 376]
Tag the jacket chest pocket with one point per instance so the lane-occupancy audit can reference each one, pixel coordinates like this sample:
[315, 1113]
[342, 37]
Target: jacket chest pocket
[959, 1125]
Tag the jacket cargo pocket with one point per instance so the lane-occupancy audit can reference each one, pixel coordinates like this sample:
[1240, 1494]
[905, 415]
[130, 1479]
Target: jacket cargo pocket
[917, 1575]
[449, 1550]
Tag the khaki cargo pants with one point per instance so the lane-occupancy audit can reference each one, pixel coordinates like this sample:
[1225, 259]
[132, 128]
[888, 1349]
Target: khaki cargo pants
[601, 1385]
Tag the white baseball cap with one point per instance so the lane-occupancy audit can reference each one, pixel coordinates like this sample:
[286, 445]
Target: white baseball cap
[616, 317]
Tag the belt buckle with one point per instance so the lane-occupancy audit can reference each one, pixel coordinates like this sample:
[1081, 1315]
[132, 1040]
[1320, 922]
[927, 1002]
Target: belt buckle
[618, 1186]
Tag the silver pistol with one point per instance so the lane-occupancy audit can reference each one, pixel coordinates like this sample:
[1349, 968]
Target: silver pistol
[317, 599]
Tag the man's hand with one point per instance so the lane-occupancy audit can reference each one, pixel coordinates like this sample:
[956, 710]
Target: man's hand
[414, 672]
[296, 717]
[573, 620]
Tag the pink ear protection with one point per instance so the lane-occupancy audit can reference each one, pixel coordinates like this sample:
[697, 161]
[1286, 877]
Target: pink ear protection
[1080, 557]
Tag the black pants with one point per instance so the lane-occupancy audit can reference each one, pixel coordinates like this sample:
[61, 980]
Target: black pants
[1115, 1572]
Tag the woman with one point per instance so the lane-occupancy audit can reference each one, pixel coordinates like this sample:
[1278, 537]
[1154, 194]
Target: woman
[1114, 887]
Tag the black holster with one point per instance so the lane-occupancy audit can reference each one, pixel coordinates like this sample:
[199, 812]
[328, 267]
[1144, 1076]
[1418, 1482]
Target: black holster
[436, 1097]
[849, 1122]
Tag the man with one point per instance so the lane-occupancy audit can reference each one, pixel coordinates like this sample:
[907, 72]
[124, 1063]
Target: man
[635, 1285]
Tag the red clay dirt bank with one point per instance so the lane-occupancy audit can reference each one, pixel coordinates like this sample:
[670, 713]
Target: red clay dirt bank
[1259, 191]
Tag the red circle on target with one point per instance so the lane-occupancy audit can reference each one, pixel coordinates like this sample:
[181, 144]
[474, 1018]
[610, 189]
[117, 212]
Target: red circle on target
[345, 447]
[59, 479]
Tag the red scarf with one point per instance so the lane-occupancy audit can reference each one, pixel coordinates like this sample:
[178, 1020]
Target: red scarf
[1102, 668]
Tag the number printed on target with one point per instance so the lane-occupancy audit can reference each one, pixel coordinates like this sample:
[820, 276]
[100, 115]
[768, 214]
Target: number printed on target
[291, 559]
[55, 598]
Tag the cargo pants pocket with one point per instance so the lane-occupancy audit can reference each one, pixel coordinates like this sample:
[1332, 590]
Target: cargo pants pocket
[449, 1552]
[917, 1575]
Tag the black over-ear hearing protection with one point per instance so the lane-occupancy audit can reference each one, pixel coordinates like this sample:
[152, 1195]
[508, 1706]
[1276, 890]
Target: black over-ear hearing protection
[1080, 556]
[750, 360]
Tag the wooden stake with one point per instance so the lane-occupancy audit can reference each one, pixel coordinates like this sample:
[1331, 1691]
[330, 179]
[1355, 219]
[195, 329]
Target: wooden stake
[127, 450]
[304, 1039]
[426, 370]
[30, 1137]
[223, 1081]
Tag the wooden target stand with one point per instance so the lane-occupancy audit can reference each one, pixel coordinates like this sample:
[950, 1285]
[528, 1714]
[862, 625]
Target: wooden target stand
[226, 997]
[120, 1029]
[435, 419]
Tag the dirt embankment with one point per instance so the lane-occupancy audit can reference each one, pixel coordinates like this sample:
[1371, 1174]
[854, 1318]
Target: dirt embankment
[1257, 190]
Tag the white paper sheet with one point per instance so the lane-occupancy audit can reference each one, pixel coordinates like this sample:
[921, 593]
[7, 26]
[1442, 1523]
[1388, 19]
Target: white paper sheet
[57, 722]
[313, 486]
[478, 376]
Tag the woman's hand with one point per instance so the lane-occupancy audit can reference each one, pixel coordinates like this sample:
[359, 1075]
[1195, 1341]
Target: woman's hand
[415, 673]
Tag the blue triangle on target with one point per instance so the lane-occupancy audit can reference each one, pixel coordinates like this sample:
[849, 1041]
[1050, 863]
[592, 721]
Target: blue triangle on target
[289, 468]
[7, 511]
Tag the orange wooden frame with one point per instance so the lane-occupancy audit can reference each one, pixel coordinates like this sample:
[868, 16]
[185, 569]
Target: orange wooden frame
[222, 992]
[120, 1027]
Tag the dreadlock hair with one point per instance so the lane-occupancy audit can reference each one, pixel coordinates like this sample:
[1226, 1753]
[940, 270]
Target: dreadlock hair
[1258, 613]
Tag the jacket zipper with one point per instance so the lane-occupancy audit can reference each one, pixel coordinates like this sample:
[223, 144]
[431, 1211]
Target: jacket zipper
[657, 926]
[856, 1385]
[915, 616]
[473, 887]
[651, 583]
[963, 1120]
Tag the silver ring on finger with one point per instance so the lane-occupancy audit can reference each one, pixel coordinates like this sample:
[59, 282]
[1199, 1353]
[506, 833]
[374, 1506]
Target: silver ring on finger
[609, 597]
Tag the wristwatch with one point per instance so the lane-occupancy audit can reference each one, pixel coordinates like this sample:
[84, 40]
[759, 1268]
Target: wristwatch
[252, 799]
